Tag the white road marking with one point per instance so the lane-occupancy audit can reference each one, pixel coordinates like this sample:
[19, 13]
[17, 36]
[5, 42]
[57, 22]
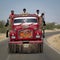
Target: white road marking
[8, 57]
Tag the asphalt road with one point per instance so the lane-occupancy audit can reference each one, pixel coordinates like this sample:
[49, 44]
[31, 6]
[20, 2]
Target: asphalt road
[48, 54]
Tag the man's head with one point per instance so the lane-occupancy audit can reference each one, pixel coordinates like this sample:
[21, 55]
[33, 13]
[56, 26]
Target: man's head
[24, 10]
[12, 12]
[37, 11]
[42, 14]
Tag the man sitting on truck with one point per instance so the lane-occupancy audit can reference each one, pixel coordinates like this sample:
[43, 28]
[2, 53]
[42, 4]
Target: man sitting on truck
[38, 13]
[24, 12]
[12, 14]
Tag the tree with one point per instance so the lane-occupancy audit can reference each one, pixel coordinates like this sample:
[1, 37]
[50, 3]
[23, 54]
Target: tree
[50, 26]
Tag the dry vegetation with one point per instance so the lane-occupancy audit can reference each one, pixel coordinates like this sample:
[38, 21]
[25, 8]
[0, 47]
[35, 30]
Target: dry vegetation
[54, 30]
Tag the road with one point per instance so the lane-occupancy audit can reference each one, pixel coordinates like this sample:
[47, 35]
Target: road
[48, 54]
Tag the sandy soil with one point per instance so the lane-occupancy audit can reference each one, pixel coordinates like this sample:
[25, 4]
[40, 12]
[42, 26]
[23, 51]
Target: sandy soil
[55, 30]
[2, 36]
[54, 41]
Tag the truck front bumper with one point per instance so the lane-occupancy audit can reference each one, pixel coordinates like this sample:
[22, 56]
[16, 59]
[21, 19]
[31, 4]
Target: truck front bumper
[22, 42]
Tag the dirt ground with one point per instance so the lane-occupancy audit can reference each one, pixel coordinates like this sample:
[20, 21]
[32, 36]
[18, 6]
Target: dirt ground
[54, 41]
[2, 36]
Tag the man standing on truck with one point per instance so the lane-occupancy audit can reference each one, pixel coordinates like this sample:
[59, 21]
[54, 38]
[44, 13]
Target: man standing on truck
[11, 15]
[44, 24]
[9, 22]
[6, 25]
[41, 21]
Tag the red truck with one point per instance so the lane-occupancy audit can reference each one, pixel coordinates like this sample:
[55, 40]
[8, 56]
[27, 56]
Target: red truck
[25, 34]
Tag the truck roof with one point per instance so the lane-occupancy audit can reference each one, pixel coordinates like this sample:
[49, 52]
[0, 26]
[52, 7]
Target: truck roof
[25, 15]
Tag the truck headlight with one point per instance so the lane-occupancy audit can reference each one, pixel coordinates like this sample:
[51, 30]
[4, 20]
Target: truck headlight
[37, 36]
[13, 37]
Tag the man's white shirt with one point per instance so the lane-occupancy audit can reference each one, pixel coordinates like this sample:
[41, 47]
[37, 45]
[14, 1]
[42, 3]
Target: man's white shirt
[38, 14]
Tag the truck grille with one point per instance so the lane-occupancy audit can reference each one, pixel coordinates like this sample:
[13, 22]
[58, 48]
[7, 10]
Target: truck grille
[25, 33]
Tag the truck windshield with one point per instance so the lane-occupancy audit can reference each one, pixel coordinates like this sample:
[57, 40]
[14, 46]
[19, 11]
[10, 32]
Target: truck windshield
[25, 20]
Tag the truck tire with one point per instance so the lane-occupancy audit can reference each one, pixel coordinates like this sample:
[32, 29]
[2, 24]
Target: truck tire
[40, 48]
[12, 48]
[18, 49]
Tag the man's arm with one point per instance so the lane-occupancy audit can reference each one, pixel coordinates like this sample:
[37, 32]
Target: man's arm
[44, 24]
[7, 23]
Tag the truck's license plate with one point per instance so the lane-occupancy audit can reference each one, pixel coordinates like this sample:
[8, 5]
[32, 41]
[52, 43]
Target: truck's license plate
[25, 45]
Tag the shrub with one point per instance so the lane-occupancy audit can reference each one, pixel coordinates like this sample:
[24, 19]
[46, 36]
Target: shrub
[2, 27]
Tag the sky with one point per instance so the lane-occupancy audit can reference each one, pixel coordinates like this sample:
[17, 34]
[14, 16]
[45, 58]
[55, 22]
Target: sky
[51, 8]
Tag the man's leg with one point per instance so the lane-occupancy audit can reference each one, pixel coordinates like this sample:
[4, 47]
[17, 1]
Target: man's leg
[7, 33]
[43, 33]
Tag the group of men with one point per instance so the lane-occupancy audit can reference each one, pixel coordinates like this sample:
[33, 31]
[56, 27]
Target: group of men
[38, 14]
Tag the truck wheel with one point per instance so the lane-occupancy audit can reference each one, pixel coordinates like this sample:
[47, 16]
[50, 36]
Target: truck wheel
[9, 48]
[41, 48]
[18, 49]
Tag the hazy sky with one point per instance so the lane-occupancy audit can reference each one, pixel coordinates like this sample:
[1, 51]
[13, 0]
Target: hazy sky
[51, 8]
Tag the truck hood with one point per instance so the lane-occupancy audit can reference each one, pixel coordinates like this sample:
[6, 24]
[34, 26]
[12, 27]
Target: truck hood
[26, 25]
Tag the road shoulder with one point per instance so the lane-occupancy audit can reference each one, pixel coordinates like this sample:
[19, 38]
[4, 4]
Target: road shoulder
[54, 42]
